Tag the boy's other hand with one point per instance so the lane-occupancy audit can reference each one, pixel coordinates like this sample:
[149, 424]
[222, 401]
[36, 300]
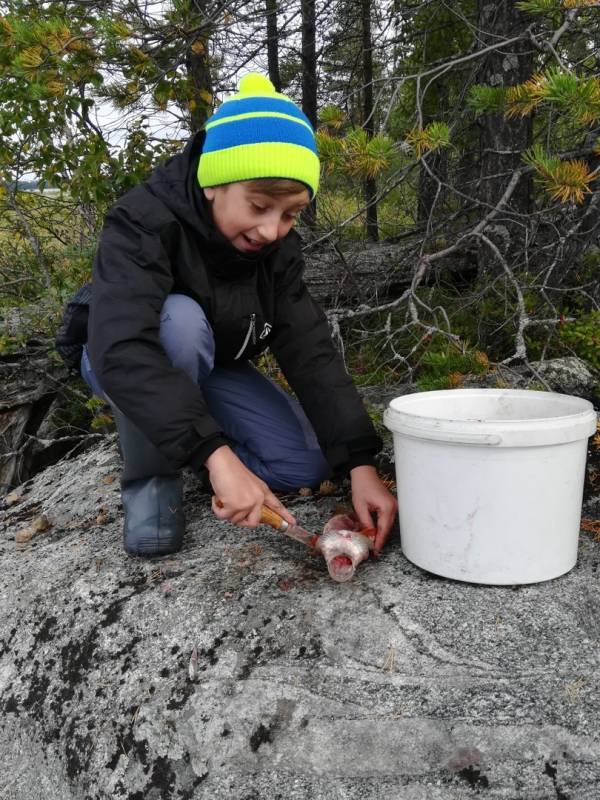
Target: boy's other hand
[240, 492]
[370, 495]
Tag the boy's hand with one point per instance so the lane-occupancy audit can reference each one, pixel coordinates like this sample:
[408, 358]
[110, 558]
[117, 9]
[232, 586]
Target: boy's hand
[369, 494]
[240, 492]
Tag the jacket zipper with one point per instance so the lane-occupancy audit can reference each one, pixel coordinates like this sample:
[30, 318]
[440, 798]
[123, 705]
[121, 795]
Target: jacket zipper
[251, 332]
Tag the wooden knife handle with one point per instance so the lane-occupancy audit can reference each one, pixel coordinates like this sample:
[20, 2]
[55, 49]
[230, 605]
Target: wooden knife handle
[272, 518]
[267, 516]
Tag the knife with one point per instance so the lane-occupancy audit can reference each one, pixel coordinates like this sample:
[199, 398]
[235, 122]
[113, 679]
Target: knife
[342, 550]
[274, 520]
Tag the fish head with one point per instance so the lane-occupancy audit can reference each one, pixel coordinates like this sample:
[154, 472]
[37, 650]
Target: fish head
[343, 551]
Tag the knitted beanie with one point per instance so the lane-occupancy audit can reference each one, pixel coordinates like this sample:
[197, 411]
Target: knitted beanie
[258, 133]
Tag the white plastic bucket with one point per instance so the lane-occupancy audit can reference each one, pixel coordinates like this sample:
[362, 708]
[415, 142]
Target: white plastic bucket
[490, 481]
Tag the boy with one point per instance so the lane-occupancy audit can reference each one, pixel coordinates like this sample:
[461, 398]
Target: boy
[197, 271]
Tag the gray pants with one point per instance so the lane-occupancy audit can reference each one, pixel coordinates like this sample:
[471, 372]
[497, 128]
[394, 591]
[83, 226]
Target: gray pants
[269, 431]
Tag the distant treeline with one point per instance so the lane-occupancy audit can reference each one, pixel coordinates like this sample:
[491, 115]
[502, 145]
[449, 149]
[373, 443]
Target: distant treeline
[24, 186]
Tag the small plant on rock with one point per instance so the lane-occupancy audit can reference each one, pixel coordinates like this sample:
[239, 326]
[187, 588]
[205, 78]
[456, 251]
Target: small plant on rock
[445, 366]
[583, 335]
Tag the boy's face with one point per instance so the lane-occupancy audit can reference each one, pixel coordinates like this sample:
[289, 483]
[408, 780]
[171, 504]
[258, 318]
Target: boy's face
[250, 218]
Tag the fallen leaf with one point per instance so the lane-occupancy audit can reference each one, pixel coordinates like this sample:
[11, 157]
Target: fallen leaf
[13, 498]
[39, 525]
[102, 516]
[591, 526]
[285, 584]
[573, 690]
[389, 483]
[327, 488]
[388, 664]
[305, 491]
[109, 479]
[156, 575]
[193, 665]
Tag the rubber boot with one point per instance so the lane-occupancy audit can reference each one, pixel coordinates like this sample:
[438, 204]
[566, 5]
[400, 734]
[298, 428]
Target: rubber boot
[152, 494]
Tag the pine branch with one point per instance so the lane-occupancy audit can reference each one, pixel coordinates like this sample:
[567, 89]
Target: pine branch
[564, 180]
[578, 97]
[434, 136]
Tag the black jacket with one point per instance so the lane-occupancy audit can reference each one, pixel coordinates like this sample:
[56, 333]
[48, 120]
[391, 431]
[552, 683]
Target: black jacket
[158, 239]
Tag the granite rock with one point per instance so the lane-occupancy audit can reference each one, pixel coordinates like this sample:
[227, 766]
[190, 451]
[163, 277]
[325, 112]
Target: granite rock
[397, 684]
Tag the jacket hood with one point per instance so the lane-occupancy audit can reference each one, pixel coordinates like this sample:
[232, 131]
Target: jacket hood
[175, 184]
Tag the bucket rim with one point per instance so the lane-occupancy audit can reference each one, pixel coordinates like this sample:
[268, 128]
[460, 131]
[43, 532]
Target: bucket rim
[586, 406]
[578, 424]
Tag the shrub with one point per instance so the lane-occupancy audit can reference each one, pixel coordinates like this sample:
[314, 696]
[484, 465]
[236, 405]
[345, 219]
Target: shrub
[583, 336]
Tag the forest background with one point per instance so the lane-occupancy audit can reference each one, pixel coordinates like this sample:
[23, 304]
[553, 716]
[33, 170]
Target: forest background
[460, 144]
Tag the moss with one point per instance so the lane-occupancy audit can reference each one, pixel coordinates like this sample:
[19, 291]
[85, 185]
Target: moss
[444, 366]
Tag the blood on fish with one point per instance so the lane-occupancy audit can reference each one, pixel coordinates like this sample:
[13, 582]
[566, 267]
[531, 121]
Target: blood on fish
[341, 562]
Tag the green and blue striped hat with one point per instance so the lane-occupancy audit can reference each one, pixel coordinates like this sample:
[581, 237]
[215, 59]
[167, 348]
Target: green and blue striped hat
[259, 133]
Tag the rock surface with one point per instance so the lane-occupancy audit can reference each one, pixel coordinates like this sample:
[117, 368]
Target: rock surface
[237, 669]
[570, 375]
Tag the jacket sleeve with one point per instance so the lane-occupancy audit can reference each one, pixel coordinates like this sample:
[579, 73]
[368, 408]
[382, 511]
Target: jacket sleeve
[132, 277]
[302, 344]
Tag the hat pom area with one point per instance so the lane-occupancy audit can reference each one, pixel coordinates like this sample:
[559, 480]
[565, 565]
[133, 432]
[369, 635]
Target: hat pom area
[255, 84]
[258, 133]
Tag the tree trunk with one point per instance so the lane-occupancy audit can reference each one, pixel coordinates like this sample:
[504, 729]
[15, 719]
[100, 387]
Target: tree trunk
[273, 44]
[370, 187]
[586, 220]
[430, 196]
[198, 69]
[309, 83]
[33, 408]
[502, 141]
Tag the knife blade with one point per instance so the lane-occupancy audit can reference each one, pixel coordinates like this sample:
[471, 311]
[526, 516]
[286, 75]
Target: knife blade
[272, 518]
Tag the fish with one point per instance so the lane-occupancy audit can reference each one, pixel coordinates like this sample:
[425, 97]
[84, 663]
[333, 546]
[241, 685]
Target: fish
[344, 544]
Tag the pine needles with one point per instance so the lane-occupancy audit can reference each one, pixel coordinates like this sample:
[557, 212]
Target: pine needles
[434, 136]
[573, 95]
[564, 180]
[356, 153]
